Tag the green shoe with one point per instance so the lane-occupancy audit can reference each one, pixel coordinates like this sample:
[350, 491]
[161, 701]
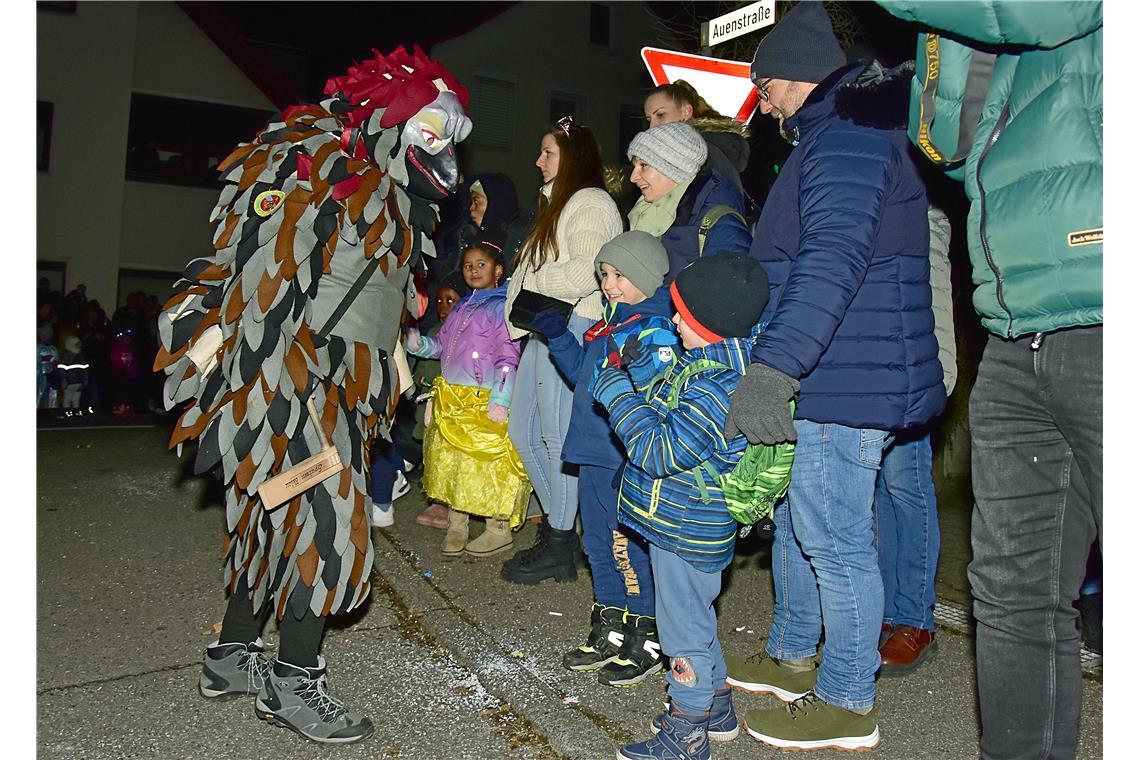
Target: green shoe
[761, 674]
[811, 723]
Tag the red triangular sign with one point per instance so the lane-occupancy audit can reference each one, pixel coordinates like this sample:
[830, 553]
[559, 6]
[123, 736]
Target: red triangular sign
[725, 85]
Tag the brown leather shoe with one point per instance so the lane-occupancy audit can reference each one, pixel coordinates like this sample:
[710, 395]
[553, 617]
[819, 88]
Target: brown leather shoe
[905, 649]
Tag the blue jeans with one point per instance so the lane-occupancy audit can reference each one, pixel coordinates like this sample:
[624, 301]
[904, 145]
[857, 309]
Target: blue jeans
[1036, 419]
[540, 415]
[906, 526]
[686, 625]
[824, 563]
[619, 558]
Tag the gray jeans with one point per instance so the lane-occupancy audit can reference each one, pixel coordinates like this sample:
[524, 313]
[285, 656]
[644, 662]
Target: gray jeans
[1036, 433]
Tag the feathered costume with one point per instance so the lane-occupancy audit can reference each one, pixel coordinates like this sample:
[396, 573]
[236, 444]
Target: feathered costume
[318, 195]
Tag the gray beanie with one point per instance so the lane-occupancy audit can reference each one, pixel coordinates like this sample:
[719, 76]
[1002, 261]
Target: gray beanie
[800, 48]
[637, 255]
[676, 150]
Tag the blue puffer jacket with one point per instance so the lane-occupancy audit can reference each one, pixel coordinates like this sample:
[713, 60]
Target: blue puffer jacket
[845, 241]
[589, 439]
[708, 189]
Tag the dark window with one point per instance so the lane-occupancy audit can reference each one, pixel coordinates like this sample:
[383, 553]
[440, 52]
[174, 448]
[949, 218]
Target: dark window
[599, 24]
[182, 142]
[631, 120]
[565, 104]
[493, 112]
[57, 6]
[44, 111]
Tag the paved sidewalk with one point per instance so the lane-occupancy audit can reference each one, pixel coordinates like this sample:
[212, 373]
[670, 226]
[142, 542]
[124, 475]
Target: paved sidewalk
[448, 660]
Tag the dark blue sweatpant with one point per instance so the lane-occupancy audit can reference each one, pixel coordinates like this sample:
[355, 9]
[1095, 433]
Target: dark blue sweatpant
[619, 558]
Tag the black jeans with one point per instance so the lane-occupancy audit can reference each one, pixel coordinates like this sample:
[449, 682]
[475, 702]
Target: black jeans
[1036, 432]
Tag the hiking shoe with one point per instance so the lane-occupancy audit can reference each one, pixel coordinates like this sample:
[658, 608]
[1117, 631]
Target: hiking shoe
[230, 671]
[722, 727]
[681, 736]
[299, 699]
[552, 556]
[762, 674]
[639, 656]
[811, 723]
[603, 643]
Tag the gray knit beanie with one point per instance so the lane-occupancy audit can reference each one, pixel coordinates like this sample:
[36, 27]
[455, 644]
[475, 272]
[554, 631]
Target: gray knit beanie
[637, 255]
[800, 48]
[676, 150]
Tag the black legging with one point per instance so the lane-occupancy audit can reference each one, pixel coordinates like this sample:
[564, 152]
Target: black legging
[300, 639]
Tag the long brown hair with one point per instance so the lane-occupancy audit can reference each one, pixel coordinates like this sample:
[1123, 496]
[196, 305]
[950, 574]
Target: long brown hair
[579, 166]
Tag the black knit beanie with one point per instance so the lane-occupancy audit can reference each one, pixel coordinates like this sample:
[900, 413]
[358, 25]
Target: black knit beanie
[454, 280]
[721, 295]
[800, 48]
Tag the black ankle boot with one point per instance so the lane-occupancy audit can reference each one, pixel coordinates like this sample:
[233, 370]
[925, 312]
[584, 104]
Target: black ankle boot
[552, 556]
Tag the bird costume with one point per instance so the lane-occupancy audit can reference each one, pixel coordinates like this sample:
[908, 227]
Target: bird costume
[321, 221]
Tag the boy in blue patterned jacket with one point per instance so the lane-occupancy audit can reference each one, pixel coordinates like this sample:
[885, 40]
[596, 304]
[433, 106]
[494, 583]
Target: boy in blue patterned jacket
[664, 498]
[634, 331]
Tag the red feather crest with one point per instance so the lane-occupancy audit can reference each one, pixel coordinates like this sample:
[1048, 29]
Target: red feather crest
[385, 82]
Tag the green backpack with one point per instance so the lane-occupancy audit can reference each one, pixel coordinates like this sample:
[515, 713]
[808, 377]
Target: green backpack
[760, 479]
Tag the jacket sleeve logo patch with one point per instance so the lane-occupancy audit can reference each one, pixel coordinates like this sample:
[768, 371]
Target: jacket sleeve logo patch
[1086, 237]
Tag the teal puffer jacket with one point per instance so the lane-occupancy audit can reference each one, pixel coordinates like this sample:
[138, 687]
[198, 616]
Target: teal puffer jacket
[1031, 150]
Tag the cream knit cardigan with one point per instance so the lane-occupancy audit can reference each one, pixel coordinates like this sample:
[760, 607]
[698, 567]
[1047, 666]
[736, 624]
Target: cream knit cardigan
[589, 220]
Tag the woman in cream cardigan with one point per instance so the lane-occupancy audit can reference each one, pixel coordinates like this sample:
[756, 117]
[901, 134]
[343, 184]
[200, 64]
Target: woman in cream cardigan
[576, 216]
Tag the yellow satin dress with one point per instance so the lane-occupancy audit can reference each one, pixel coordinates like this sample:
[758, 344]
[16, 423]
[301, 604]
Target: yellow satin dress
[469, 462]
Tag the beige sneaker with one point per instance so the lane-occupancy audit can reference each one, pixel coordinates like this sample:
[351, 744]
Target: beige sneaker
[496, 539]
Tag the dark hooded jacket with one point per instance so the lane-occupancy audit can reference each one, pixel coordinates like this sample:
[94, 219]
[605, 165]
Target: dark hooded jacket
[708, 189]
[845, 240]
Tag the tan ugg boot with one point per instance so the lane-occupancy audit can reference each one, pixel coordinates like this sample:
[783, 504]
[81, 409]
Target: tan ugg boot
[456, 537]
[494, 540]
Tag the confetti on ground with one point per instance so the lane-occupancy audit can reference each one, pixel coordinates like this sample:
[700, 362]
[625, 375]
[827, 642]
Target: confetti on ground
[213, 630]
[518, 653]
[569, 700]
[427, 573]
[749, 630]
[739, 628]
[556, 614]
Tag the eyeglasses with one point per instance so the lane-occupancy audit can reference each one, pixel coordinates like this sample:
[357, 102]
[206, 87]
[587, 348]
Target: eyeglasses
[565, 123]
[762, 89]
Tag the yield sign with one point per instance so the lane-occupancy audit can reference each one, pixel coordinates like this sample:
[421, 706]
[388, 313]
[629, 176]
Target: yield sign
[725, 85]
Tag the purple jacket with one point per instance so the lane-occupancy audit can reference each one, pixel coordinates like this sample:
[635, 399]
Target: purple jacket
[473, 347]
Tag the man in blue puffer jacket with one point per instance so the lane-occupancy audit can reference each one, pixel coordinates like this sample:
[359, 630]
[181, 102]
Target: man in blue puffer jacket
[845, 240]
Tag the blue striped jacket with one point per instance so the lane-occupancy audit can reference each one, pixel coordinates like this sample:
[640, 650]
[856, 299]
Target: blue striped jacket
[659, 496]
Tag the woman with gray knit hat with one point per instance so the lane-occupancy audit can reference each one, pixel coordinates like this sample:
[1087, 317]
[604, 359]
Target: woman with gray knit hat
[679, 195]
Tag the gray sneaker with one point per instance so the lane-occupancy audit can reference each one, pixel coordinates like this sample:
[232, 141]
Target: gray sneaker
[299, 699]
[230, 671]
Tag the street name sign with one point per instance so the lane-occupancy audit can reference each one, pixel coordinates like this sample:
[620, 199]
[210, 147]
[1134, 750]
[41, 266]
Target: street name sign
[743, 20]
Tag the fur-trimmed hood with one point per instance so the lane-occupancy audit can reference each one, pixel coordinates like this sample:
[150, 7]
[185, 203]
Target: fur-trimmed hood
[878, 98]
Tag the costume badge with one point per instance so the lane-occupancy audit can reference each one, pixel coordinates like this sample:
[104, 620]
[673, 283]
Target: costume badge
[268, 202]
[665, 355]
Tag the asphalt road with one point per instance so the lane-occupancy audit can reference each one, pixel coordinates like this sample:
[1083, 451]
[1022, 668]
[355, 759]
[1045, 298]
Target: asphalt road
[449, 661]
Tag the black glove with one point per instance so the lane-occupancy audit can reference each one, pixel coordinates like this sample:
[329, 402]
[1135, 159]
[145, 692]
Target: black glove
[550, 323]
[760, 407]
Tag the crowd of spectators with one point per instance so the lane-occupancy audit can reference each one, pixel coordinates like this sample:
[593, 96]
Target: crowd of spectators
[87, 363]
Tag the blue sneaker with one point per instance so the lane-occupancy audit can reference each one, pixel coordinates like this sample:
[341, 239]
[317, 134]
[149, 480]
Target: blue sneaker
[680, 737]
[723, 726]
